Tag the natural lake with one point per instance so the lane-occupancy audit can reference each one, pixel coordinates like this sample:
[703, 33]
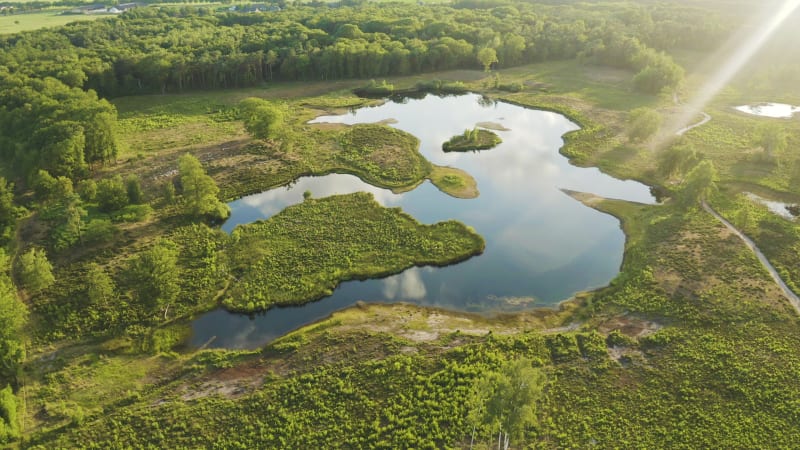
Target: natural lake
[542, 246]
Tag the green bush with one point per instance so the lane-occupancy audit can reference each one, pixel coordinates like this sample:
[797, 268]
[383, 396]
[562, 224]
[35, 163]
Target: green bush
[9, 423]
[99, 231]
[132, 213]
[373, 88]
[112, 194]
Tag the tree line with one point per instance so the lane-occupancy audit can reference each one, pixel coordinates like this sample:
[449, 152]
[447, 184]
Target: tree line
[156, 50]
[54, 83]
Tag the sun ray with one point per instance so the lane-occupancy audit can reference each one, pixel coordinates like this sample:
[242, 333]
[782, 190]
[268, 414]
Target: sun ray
[733, 56]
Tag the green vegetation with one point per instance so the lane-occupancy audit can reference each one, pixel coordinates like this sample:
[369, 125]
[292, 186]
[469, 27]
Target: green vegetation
[776, 236]
[382, 156]
[34, 271]
[199, 190]
[28, 21]
[261, 118]
[156, 274]
[487, 56]
[714, 343]
[506, 400]
[700, 182]
[107, 219]
[322, 242]
[13, 316]
[49, 124]
[471, 140]
[677, 159]
[374, 88]
[642, 124]
[9, 422]
[772, 138]
[111, 194]
[441, 87]
[360, 41]
[454, 182]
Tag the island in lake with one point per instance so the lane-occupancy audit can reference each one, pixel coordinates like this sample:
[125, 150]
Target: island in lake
[474, 139]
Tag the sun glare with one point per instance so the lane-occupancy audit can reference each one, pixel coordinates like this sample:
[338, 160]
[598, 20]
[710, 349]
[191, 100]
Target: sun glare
[734, 55]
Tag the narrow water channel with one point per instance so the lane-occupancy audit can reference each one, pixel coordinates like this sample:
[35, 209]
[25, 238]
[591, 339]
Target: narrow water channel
[541, 245]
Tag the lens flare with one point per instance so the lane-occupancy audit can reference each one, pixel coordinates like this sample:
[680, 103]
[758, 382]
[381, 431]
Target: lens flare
[733, 56]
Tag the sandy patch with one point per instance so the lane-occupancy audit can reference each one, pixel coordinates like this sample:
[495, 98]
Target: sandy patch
[630, 326]
[584, 197]
[229, 383]
[492, 126]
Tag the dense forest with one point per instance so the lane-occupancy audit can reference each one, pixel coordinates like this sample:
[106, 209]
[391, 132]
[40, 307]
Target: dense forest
[109, 249]
[167, 50]
[53, 115]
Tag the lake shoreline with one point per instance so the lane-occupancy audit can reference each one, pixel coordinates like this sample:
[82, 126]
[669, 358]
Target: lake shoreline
[515, 283]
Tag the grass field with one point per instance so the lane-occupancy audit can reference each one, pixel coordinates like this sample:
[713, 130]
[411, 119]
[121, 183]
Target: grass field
[42, 19]
[690, 335]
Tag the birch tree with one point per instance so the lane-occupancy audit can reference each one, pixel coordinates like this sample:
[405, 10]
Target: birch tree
[505, 401]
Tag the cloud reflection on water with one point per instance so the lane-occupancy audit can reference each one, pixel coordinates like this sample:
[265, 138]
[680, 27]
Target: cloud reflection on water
[405, 286]
[540, 243]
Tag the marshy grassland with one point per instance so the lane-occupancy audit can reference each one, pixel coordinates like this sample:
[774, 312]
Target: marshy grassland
[692, 345]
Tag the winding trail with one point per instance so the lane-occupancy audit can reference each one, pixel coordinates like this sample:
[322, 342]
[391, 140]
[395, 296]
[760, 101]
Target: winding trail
[706, 119]
[793, 298]
[788, 293]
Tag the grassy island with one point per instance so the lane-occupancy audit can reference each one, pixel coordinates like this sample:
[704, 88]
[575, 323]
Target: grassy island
[390, 158]
[382, 156]
[454, 182]
[109, 248]
[304, 252]
[470, 140]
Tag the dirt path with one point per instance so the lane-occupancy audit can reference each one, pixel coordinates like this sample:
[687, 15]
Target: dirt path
[788, 293]
[793, 298]
[684, 130]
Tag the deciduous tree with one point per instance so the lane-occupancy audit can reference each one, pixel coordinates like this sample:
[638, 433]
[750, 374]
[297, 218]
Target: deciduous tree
[35, 271]
[99, 286]
[505, 400]
[156, 275]
[771, 137]
[642, 124]
[678, 159]
[199, 190]
[13, 315]
[262, 119]
[699, 183]
[134, 189]
[7, 211]
[111, 194]
[487, 56]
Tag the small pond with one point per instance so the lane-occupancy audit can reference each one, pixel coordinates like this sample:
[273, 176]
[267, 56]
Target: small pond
[779, 208]
[542, 246]
[774, 110]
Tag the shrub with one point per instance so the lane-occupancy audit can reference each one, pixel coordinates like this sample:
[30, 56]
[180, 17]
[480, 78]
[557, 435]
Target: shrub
[111, 194]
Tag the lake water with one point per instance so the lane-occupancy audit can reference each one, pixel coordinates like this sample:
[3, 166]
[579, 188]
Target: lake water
[775, 110]
[776, 207]
[541, 245]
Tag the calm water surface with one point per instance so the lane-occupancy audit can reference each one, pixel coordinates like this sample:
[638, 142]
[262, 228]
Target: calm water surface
[774, 110]
[541, 245]
[776, 207]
